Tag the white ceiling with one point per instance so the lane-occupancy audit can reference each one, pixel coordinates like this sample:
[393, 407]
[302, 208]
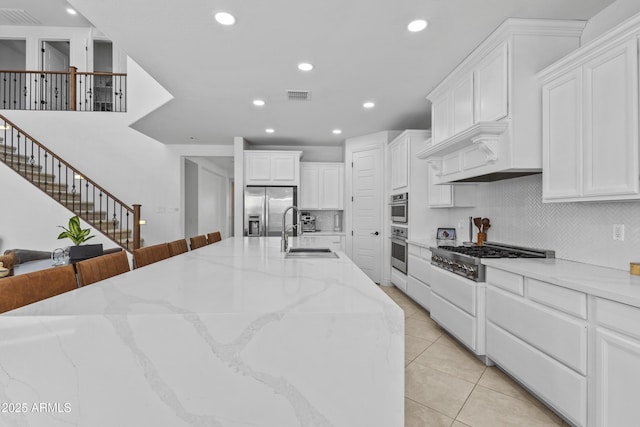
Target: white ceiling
[361, 51]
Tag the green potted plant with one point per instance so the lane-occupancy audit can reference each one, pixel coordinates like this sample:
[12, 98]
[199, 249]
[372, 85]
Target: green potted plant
[79, 236]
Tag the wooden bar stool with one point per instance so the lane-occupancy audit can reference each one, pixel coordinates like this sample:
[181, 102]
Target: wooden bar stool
[214, 237]
[100, 268]
[178, 247]
[18, 291]
[150, 254]
[198, 241]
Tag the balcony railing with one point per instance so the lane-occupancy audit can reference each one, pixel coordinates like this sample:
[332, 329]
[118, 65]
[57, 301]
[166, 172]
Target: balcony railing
[63, 91]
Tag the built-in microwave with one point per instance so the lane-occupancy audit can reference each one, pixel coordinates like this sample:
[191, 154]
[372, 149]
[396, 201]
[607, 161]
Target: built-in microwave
[400, 208]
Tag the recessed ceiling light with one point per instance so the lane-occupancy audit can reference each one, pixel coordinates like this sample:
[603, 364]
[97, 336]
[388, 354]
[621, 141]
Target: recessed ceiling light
[417, 25]
[225, 18]
[71, 11]
[369, 104]
[337, 131]
[258, 102]
[305, 66]
[269, 130]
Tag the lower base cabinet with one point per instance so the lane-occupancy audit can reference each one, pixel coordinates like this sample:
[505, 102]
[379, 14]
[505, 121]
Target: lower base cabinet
[617, 365]
[419, 291]
[539, 334]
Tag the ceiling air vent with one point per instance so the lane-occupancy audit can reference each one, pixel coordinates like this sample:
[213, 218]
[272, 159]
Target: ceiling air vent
[17, 17]
[299, 95]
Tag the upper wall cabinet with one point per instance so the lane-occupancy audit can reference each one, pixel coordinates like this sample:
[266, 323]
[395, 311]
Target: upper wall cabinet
[272, 167]
[399, 154]
[400, 161]
[590, 120]
[321, 186]
[486, 116]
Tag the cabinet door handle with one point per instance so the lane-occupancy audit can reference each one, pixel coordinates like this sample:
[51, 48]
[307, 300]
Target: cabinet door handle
[375, 233]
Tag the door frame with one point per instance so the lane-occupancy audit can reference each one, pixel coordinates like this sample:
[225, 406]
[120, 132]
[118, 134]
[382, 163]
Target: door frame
[353, 145]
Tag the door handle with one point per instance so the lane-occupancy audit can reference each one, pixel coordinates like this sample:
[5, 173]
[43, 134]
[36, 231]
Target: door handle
[375, 233]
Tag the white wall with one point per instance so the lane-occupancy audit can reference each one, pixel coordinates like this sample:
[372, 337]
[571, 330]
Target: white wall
[211, 208]
[617, 12]
[190, 199]
[12, 54]
[132, 166]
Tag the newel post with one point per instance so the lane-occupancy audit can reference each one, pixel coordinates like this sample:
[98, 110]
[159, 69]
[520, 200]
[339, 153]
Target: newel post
[136, 226]
[72, 88]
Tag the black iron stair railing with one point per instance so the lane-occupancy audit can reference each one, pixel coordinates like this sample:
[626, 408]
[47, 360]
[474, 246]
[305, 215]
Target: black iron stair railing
[63, 90]
[70, 187]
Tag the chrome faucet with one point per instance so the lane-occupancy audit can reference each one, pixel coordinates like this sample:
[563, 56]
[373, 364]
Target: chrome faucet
[284, 240]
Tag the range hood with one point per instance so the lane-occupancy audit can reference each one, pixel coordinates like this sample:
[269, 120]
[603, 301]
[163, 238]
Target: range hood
[481, 153]
[487, 113]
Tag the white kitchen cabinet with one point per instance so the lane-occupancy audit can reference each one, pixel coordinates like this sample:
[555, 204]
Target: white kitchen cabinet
[447, 195]
[491, 83]
[332, 187]
[486, 114]
[399, 154]
[617, 364]
[441, 118]
[309, 194]
[538, 332]
[562, 130]
[419, 275]
[590, 121]
[462, 114]
[272, 167]
[321, 186]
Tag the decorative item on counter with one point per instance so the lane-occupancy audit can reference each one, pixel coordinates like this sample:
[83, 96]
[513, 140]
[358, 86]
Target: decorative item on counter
[337, 224]
[446, 236]
[634, 268]
[483, 225]
[60, 256]
[4, 272]
[78, 236]
[8, 261]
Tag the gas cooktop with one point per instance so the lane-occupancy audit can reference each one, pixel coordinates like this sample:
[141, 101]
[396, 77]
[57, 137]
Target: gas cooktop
[466, 260]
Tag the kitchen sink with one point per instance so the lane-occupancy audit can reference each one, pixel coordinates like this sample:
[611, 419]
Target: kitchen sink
[310, 253]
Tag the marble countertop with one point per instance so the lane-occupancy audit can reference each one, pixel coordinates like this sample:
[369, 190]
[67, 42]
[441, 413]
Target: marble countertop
[616, 285]
[323, 233]
[423, 243]
[231, 334]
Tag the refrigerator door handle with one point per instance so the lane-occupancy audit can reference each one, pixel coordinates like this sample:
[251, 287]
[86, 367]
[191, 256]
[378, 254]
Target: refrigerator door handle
[266, 217]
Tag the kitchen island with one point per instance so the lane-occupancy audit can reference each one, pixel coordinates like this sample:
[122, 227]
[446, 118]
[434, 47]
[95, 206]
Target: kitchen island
[232, 334]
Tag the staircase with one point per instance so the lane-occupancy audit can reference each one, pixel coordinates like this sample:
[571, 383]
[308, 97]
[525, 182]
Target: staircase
[69, 187]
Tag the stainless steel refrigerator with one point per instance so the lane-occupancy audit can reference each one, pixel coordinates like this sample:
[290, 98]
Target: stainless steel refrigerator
[264, 207]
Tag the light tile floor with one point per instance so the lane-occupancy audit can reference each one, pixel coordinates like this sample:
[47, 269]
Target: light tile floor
[445, 385]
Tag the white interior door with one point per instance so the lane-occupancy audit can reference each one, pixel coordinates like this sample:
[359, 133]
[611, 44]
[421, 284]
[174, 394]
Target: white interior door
[367, 212]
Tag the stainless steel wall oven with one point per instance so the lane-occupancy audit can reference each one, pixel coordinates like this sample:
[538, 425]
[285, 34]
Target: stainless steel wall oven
[400, 208]
[399, 249]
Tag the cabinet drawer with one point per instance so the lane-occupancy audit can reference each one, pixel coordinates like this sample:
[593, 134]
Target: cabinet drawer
[563, 299]
[560, 336]
[619, 317]
[399, 279]
[457, 290]
[559, 386]
[505, 280]
[419, 268]
[457, 322]
[413, 250]
[420, 292]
